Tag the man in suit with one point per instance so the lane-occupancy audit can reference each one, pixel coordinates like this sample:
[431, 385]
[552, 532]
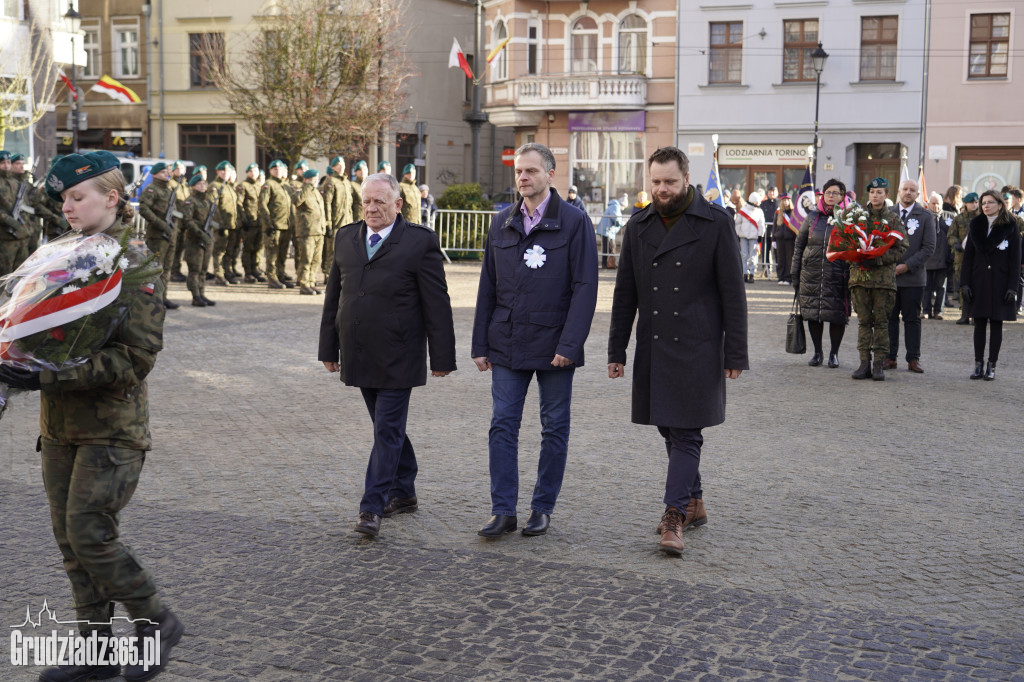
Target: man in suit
[911, 277]
[537, 295]
[387, 298]
[680, 269]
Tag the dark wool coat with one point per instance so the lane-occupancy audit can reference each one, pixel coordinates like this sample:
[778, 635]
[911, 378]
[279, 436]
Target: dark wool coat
[824, 290]
[379, 313]
[687, 286]
[920, 243]
[991, 271]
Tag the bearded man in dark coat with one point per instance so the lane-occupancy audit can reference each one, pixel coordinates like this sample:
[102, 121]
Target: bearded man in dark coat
[680, 269]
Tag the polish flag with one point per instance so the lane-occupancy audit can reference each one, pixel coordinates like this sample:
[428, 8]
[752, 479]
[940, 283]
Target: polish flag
[67, 82]
[457, 59]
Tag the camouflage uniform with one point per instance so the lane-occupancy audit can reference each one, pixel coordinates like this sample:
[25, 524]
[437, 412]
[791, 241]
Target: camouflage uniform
[250, 233]
[14, 235]
[357, 199]
[338, 194]
[410, 202]
[51, 214]
[957, 233]
[182, 192]
[873, 289]
[94, 433]
[309, 235]
[227, 218]
[275, 213]
[160, 236]
[198, 245]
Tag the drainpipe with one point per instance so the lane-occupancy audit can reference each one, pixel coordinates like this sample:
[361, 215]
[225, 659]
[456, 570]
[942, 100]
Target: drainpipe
[160, 37]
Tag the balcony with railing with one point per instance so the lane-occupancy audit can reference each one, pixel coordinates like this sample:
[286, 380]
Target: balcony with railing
[570, 91]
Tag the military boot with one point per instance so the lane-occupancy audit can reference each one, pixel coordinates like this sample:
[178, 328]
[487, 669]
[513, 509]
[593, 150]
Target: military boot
[273, 283]
[877, 370]
[170, 629]
[864, 371]
[80, 673]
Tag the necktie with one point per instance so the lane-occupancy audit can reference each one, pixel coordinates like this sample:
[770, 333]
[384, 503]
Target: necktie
[904, 218]
[374, 239]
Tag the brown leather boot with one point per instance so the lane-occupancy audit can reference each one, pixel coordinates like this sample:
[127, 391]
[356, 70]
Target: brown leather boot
[695, 516]
[672, 532]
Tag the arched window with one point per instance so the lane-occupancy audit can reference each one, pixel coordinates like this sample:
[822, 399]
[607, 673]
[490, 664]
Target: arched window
[584, 45]
[633, 44]
[499, 67]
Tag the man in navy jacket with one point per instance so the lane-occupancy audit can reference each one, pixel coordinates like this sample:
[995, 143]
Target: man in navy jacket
[538, 292]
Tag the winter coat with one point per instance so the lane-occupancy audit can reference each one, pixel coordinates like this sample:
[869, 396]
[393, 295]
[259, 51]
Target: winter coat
[611, 221]
[823, 291]
[686, 285]
[526, 315]
[920, 241]
[781, 231]
[942, 256]
[991, 267]
[746, 229]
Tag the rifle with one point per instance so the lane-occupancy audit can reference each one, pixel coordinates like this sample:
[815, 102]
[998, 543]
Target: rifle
[19, 202]
[130, 189]
[171, 214]
[209, 224]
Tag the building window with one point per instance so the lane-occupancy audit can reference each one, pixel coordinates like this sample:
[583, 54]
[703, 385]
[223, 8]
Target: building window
[981, 168]
[878, 48]
[11, 8]
[207, 144]
[532, 48]
[606, 164]
[801, 37]
[584, 46]
[726, 60]
[126, 51]
[633, 45]
[204, 49]
[990, 46]
[91, 42]
[499, 67]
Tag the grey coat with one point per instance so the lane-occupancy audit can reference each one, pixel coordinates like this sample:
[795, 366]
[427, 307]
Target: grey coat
[920, 245]
[687, 286]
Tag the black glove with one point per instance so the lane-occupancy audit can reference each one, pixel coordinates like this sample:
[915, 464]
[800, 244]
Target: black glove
[966, 293]
[1010, 296]
[24, 379]
[958, 247]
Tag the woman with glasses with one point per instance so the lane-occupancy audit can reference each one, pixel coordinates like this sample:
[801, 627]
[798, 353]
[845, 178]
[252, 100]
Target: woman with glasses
[988, 278]
[821, 285]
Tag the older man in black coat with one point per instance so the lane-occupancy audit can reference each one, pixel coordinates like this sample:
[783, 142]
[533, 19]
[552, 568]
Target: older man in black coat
[680, 269]
[387, 297]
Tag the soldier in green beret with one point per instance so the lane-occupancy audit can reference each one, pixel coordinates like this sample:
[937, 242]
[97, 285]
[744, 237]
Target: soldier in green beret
[410, 195]
[252, 235]
[358, 177]
[178, 183]
[309, 233]
[384, 167]
[198, 242]
[957, 237]
[49, 212]
[873, 286]
[227, 218]
[275, 215]
[157, 204]
[94, 434]
[338, 196]
[16, 235]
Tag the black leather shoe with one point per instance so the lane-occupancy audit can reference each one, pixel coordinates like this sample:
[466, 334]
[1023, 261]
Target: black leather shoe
[498, 526]
[80, 673]
[288, 285]
[833, 360]
[400, 505]
[368, 524]
[170, 629]
[198, 302]
[537, 524]
[979, 371]
[990, 371]
[815, 360]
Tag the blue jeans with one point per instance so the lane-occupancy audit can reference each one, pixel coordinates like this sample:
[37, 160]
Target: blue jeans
[392, 468]
[508, 392]
[748, 254]
[682, 481]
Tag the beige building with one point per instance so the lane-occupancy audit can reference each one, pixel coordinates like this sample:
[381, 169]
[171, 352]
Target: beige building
[594, 81]
[975, 128]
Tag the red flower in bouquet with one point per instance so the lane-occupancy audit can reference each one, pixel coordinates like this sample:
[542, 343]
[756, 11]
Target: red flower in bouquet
[57, 333]
[853, 240]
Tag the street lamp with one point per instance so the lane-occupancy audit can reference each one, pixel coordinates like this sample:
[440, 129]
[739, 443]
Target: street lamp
[818, 58]
[74, 23]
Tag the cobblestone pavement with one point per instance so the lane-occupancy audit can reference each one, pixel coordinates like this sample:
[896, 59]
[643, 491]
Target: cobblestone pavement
[858, 530]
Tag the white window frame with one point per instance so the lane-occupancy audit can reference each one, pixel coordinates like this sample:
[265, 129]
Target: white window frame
[592, 34]
[534, 43]
[93, 67]
[117, 27]
[18, 5]
[643, 68]
[499, 67]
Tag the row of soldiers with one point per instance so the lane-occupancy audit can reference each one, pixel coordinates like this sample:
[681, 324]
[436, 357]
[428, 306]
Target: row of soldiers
[26, 213]
[259, 220]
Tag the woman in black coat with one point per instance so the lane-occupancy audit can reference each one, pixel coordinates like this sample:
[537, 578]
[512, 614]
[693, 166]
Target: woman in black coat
[821, 285]
[988, 277]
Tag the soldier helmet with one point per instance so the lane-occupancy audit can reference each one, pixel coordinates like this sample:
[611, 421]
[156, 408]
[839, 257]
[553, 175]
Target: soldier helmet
[878, 183]
[971, 198]
[76, 168]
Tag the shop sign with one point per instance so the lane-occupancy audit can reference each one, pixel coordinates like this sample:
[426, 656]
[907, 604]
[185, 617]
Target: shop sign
[762, 154]
[607, 121]
[126, 138]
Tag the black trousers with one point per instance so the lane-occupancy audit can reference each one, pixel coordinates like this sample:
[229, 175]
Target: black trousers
[935, 292]
[908, 305]
[682, 481]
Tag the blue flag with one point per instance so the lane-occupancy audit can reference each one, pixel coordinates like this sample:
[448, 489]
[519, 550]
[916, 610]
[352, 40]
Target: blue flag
[713, 190]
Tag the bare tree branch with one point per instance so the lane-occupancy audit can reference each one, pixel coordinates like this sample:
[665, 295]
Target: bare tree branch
[28, 86]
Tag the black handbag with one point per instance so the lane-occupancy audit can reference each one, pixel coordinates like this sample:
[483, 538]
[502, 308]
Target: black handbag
[796, 339]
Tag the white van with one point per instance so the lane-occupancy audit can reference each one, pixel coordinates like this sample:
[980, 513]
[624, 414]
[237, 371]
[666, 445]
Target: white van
[137, 167]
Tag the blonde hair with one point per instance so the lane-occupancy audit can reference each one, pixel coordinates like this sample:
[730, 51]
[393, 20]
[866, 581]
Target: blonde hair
[114, 180]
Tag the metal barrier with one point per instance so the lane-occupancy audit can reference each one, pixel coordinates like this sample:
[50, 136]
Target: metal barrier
[462, 233]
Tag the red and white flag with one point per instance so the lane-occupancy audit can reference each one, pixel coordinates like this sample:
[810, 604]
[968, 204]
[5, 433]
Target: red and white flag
[457, 59]
[67, 82]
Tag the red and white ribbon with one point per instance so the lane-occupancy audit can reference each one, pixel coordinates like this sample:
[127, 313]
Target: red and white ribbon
[60, 310]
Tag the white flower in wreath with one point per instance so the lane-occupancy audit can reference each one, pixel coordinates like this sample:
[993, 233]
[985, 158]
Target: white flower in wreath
[71, 288]
[912, 225]
[82, 274]
[535, 257]
[1003, 245]
[123, 263]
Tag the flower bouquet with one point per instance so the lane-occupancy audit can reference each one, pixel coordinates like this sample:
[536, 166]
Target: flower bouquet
[63, 303]
[854, 240]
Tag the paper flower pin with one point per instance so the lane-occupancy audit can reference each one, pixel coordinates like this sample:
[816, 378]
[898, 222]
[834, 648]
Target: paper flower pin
[912, 225]
[535, 257]
[1003, 245]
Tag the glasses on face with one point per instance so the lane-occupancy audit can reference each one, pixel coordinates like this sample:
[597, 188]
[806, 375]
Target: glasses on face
[835, 193]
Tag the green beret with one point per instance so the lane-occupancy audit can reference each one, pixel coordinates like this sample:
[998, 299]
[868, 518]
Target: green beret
[878, 183]
[311, 173]
[275, 163]
[301, 164]
[359, 164]
[336, 160]
[75, 168]
[409, 168]
[252, 166]
[17, 157]
[6, 155]
[224, 165]
[971, 198]
[380, 166]
[157, 167]
[196, 179]
[177, 164]
[330, 171]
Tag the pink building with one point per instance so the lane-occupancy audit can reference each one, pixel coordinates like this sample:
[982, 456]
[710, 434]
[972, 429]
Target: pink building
[975, 122]
[594, 81]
